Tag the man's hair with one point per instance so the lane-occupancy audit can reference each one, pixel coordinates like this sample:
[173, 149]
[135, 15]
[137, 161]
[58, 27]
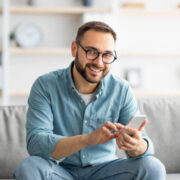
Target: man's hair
[94, 25]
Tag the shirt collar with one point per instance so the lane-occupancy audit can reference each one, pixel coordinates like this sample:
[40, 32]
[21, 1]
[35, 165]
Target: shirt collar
[70, 82]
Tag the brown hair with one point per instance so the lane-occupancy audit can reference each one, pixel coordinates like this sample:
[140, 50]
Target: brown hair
[94, 25]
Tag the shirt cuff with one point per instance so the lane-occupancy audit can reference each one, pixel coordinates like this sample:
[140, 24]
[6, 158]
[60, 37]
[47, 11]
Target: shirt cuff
[150, 147]
[148, 152]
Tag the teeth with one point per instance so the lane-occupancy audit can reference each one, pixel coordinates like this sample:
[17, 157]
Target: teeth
[95, 70]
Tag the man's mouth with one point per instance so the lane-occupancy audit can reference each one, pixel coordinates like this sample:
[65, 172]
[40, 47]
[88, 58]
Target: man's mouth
[94, 69]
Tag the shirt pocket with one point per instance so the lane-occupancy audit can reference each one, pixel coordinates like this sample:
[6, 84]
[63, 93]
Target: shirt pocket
[95, 123]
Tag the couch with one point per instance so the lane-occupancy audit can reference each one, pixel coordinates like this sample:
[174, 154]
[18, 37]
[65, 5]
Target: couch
[164, 129]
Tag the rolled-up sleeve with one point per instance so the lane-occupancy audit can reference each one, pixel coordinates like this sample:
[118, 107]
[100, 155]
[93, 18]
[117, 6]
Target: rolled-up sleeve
[130, 109]
[40, 138]
[150, 148]
[129, 106]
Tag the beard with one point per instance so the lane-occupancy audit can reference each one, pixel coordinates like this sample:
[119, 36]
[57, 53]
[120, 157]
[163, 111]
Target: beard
[83, 71]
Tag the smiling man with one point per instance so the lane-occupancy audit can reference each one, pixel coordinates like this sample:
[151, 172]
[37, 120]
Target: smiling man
[77, 116]
[90, 64]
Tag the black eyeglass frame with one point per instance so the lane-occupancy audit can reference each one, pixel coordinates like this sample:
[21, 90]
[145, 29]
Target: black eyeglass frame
[98, 53]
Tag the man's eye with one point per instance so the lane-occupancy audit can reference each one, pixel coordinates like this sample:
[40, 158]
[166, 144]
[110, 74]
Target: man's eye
[108, 55]
[91, 51]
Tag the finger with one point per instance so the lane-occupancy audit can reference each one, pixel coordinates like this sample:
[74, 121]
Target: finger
[107, 133]
[121, 145]
[105, 130]
[112, 136]
[119, 126]
[131, 130]
[129, 140]
[142, 125]
[110, 126]
[126, 140]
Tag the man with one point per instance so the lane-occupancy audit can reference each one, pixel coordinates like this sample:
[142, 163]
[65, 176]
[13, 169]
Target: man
[76, 116]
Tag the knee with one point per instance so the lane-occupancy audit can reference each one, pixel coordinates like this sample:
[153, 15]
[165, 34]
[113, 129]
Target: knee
[29, 163]
[153, 168]
[29, 167]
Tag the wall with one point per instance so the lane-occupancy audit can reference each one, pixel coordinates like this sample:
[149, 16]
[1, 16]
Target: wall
[148, 33]
[156, 34]
[0, 48]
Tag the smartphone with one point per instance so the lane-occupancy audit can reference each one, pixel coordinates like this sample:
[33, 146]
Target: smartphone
[136, 122]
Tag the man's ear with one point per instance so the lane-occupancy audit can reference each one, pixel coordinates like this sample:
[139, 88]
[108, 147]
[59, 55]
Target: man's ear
[74, 48]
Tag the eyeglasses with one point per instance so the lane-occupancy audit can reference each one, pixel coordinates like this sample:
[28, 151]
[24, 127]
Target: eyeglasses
[92, 54]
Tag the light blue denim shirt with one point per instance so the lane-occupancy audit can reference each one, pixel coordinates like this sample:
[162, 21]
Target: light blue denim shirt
[56, 110]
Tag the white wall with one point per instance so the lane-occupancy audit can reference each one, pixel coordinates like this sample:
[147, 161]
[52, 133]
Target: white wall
[156, 34]
[0, 48]
[135, 34]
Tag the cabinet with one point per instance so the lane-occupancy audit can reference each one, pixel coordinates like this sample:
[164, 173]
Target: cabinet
[115, 13]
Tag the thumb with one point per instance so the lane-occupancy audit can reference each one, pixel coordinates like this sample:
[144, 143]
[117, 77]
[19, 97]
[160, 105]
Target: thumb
[142, 125]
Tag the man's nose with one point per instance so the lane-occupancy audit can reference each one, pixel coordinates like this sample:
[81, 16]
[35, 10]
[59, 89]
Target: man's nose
[99, 60]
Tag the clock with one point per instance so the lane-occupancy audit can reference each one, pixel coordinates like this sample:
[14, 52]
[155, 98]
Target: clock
[28, 35]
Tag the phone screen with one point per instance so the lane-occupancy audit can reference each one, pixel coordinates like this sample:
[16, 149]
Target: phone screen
[136, 121]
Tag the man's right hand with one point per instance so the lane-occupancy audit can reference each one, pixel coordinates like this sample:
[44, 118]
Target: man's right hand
[102, 134]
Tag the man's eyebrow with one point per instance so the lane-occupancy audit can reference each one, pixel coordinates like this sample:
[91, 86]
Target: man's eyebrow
[91, 47]
[108, 51]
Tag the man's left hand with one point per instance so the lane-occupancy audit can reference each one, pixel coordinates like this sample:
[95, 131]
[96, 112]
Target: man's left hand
[134, 144]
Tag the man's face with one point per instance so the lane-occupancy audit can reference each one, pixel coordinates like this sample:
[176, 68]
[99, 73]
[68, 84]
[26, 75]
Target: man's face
[93, 70]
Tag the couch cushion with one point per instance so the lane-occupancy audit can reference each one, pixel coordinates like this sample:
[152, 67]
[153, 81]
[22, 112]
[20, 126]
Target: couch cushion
[12, 139]
[173, 177]
[163, 128]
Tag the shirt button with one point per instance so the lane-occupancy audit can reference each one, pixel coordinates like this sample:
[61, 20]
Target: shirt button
[83, 156]
[85, 121]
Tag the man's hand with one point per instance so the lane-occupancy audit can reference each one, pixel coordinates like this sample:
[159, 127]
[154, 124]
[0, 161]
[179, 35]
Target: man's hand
[70, 145]
[103, 134]
[134, 144]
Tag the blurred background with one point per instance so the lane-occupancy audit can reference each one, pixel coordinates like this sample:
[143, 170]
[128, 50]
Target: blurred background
[36, 35]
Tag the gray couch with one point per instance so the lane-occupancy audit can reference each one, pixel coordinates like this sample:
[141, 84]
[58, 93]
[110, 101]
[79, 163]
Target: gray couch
[164, 129]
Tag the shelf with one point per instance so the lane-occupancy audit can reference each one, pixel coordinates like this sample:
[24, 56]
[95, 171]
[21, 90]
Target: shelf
[149, 53]
[67, 51]
[19, 93]
[56, 10]
[40, 51]
[81, 10]
[133, 5]
[147, 12]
